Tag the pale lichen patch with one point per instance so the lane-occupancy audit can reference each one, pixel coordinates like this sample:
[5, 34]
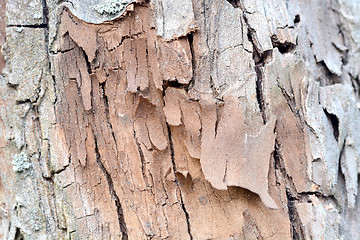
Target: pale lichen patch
[112, 7]
[21, 162]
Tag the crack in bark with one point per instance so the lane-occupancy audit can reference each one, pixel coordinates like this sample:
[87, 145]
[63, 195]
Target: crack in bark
[123, 38]
[41, 25]
[143, 162]
[334, 121]
[292, 106]
[260, 58]
[88, 64]
[45, 25]
[63, 51]
[114, 196]
[107, 114]
[259, 92]
[296, 226]
[120, 212]
[190, 38]
[177, 182]
[284, 47]
[297, 231]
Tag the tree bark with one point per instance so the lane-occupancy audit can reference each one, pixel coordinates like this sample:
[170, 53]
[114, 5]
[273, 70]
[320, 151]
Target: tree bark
[185, 119]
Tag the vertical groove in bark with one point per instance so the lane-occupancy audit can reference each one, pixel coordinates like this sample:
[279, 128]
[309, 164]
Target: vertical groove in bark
[107, 114]
[112, 192]
[190, 38]
[259, 91]
[291, 195]
[45, 13]
[259, 61]
[177, 182]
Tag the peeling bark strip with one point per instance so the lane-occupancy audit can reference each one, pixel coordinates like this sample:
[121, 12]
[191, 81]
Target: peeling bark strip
[157, 119]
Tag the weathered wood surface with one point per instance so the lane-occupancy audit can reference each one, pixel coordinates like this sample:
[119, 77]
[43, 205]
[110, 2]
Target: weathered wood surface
[178, 119]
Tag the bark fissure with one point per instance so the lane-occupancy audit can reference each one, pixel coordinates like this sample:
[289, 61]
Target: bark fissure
[190, 38]
[284, 47]
[291, 195]
[107, 114]
[334, 121]
[123, 38]
[42, 25]
[177, 183]
[142, 159]
[296, 226]
[86, 58]
[292, 106]
[259, 92]
[45, 25]
[120, 212]
[260, 59]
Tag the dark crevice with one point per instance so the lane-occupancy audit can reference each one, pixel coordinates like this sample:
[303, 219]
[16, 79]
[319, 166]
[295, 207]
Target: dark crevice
[190, 38]
[296, 226]
[18, 102]
[217, 120]
[106, 104]
[297, 19]
[344, 56]
[54, 82]
[259, 92]
[19, 235]
[63, 51]
[292, 106]
[13, 86]
[123, 38]
[174, 84]
[112, 191]
[333, 119]
[42, 25]
[219, 112]
[177, 183]
[260, 59]
[291, 195]
[107, 114]
[142, 158]
[212, 86]
[121, 42]
[47, 47]
[355, 82]
[235, 3]
[45, 13]
[53, 172]
[45, 25]
[284, 47]
[88, 64]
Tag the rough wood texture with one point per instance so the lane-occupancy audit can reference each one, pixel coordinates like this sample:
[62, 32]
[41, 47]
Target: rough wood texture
[177, 119]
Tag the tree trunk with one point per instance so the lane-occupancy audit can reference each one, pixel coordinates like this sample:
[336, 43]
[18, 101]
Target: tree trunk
[179, 119]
